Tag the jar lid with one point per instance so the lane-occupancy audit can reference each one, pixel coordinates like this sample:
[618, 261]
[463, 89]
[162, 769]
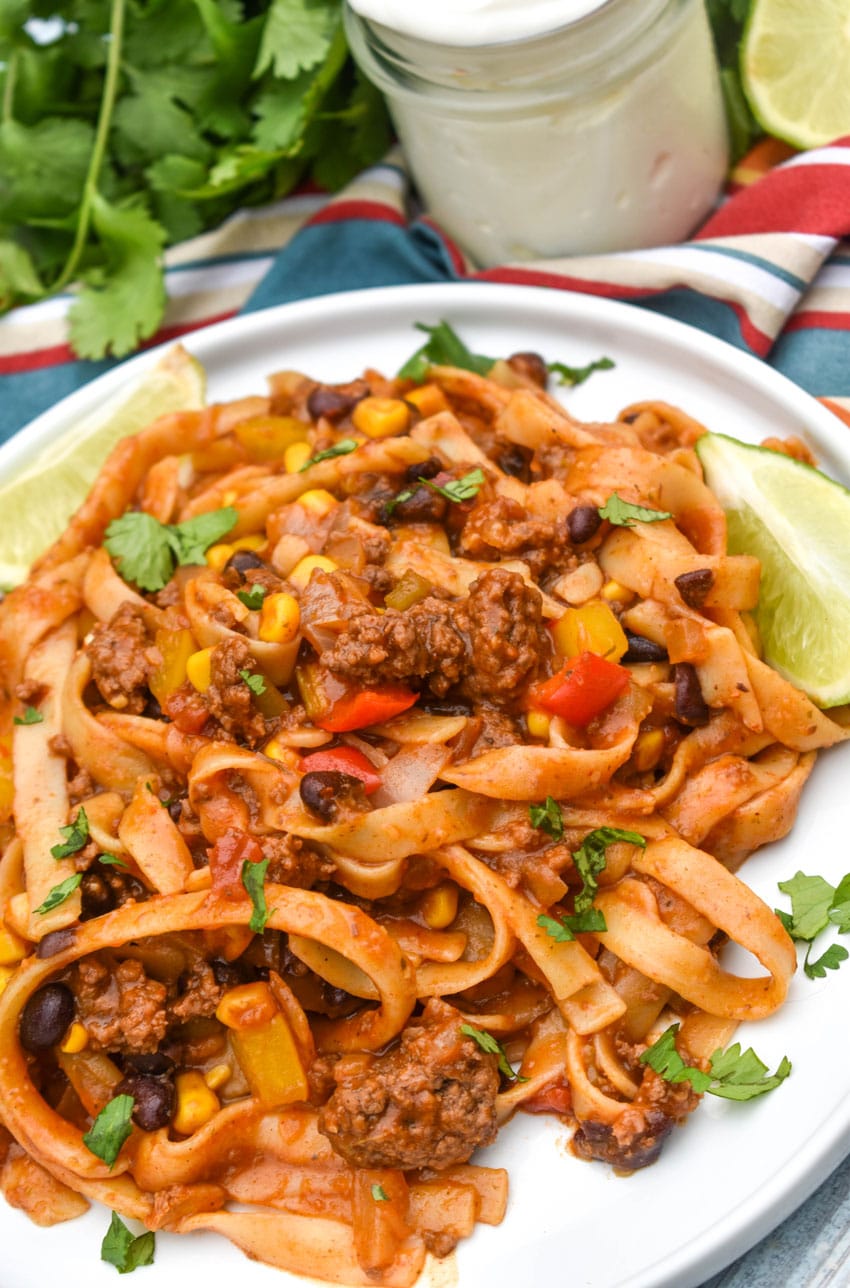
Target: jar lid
[475, 22]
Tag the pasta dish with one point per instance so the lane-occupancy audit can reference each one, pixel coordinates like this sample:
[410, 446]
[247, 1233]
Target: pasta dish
[376, 761]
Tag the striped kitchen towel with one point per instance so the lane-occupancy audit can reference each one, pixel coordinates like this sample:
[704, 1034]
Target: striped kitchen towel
[769, 272]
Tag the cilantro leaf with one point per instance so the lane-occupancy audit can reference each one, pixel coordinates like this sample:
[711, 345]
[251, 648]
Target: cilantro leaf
[125, 1250]
[379, 1194]
[565, 929]
[147, 551]
[548, 818]
[444, 348]
[342, 448]
[253, 879]
[110, 1129]
[663, 1057]
[111, 860]
[255, 683]
[578, 375]
[30, 717]
[734, 1075]
[623, 514]
[489, 1044]
[60, 893]
[296, 37]
[252, 597]
[462, 489]
[830, 960]
[75, 836]
[590, 859]
[811, 899]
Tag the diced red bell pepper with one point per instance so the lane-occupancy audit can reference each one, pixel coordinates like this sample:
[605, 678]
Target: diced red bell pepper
[344, 760]
[365, 707]
[554, 1099]
[226, 859]
[582, 689]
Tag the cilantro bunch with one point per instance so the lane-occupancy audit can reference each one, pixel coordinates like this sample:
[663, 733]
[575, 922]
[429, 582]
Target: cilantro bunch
[127, 125]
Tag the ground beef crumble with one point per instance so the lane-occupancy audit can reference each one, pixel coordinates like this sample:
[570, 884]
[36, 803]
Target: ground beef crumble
[228, 698]
[121, 1010]
[121, 659]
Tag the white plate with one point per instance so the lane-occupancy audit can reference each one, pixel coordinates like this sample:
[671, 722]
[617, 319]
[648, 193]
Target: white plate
[734, 1171]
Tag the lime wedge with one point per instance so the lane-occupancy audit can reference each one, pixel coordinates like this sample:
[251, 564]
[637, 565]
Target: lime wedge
[37, 503]
[795, 56]
[797, 522]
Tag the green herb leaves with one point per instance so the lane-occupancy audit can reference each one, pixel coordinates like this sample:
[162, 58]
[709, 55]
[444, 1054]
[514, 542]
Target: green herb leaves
[110, 1129]
[147, 551]
[253, 879]
[125, 1250]
[379, 1194]
[590, 859]
[60, 893]
[342, 448]
[489, 1044]
[564, 929]
[30, 717]
[623, 514]
[75, 836]
[255, 683]
[462, 489]
[548, 818]
[815, 905]
[577, 375]
[253, 597]
[443, 348]
[734, 1075]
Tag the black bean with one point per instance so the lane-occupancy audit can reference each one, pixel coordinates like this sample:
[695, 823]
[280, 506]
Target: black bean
[243, 560]
[583, 523]
[691, 708]
[643, 650]
[56, 941]
[516, 461]
[322, 788]
[46, 1017]
[427, 470]
[97, 897]
[153, 1064]
[231, 974]
[154, 1099]
[175, 809]
[153, 711]
[333, 404]
[422, 506]
[694, 586]
[532, 366]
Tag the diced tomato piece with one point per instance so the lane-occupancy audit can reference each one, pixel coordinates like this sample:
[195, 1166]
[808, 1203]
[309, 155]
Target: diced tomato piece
[186, 709]
[226, 859]
[554, 1099]
[343, 760]
[365, 707]
[583, 688]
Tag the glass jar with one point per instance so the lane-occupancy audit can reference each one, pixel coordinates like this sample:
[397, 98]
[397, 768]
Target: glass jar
[608, 133]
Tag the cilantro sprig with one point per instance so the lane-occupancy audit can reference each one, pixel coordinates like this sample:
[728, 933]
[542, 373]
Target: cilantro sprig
[147, 551]
[456, 490]
[443, 348]
[577, 375]
[30, 717]
[548, 818]
[590, 859]
[624, 514]
[110, 1129]
[74, 836]
[379, 1194]
[255, 682]
[252, 597]
[342, 448]
[733, 1075]
[254, 881]
[59, 894]
[816, 905]
[564, 929]
[124, 1250]
[492, 1047]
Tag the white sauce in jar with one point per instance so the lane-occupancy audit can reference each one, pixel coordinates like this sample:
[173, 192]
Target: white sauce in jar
[603, 132]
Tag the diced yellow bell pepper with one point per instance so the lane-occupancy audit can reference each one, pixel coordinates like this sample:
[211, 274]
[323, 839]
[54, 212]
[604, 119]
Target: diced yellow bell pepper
[269, 1059]
[280, 618]
[199, 670]
[268, 437]
[381, 417]
[593, 628]
[303, 570]
[175, 647]
[427, 399]
[13, 949]
[197, 1104]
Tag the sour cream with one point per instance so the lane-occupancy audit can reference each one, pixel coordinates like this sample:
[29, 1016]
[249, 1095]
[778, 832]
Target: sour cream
[541, 128]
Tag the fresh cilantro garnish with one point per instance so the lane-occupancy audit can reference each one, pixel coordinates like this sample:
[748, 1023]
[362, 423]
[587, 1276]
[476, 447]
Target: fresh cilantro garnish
[254, 879]
[548, 818]
[252, 597]
[389, 506]
[462, 489]
[147, 551]
[815, 905]
[75, 836]
[489, 1044]
[578, 375]
[342, 448]
[110, 1129]
[830, 960]
[590, 859]
[379, 1194]
[30, 717]
[733, 1075]
[443, 348]
[125, 1250]
[60, 893]
[565, 929]
[255, 683]
[111, 860]
[623, 514]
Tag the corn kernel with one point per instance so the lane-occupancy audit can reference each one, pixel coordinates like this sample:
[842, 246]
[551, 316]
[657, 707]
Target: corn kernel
[217, 556]
[303, 570]
[277, 750]
[197, 1104]
[280, 618]
[247, 1006]
[647, 750]
[538, 723]
[427, 399]
[593, 628]
[76, 1039]
[613, 590]
[217, 1076]
[380, 417]
[254, 541]
[296, 457]
[318, 501]
[12, 948]
[199, 670]
[439, 906]
[6, 973]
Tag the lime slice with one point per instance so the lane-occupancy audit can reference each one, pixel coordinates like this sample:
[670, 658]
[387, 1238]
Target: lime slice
[797, 522]
[795, 56]
[37, 503]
